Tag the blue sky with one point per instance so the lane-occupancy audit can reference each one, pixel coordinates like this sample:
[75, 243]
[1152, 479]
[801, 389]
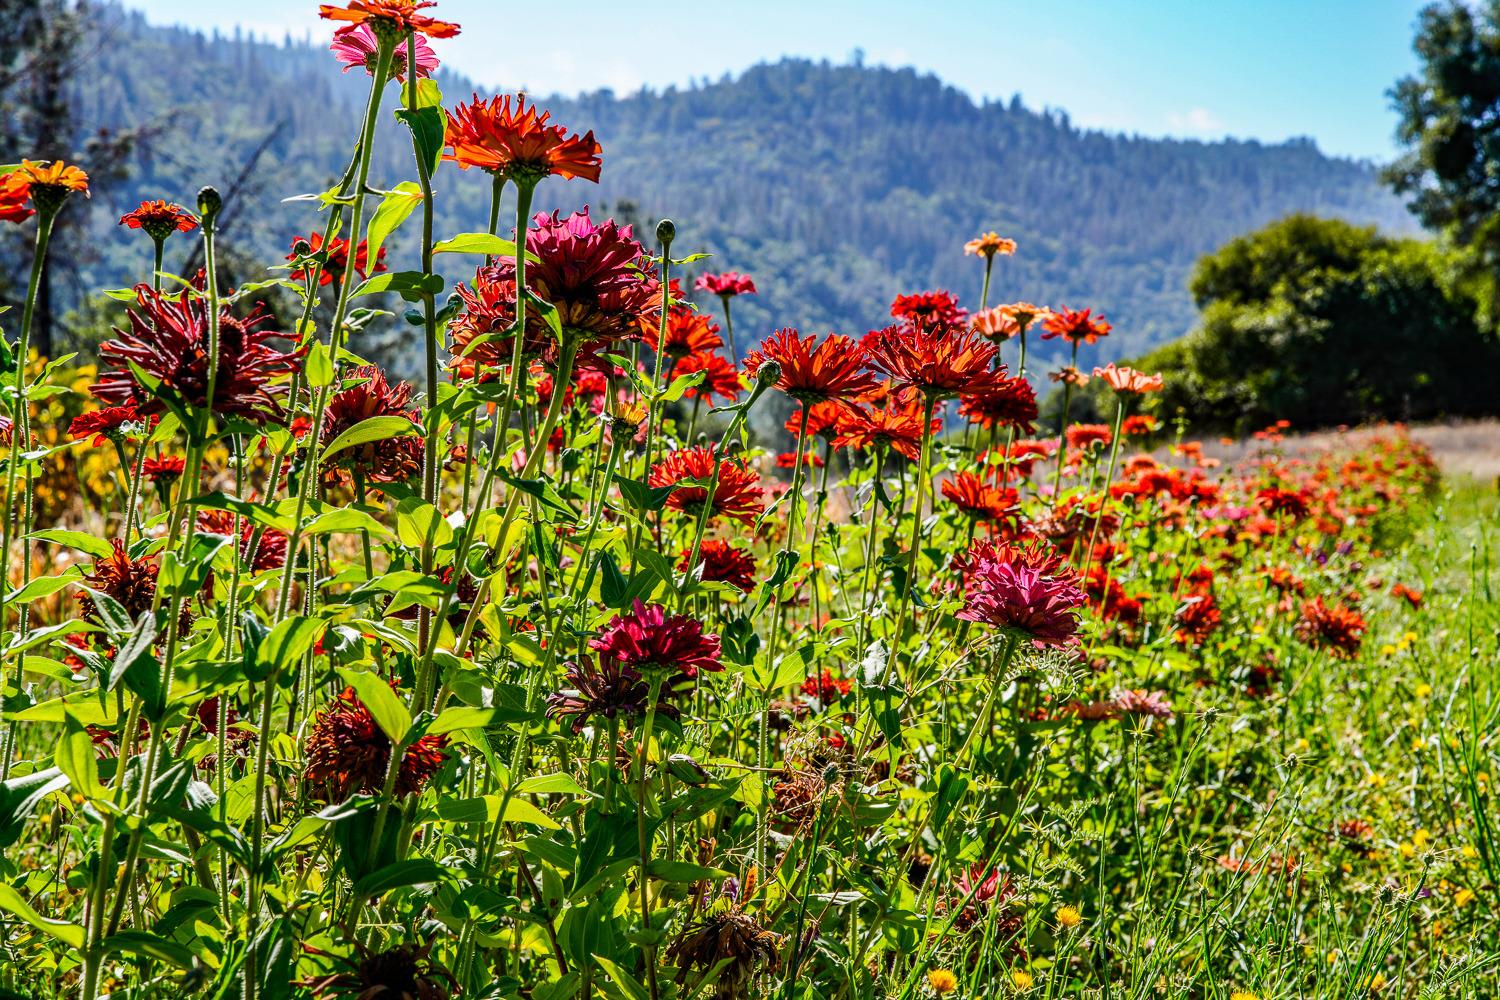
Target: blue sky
[1265, 69]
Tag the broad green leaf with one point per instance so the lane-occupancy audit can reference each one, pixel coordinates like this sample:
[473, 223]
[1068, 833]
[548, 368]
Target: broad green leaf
[485, 243]
[390, 715]
[286, 644]
[319, 366]
[12, 902]
[44, 586]
[463, 717]
[486, 809]
[413, 871]
[19, 798]
[394, 208]
[419, 523]
[427, 126]
[371, 429]
[99, 548]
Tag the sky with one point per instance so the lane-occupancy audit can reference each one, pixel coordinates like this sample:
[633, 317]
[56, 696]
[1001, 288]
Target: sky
[1261, 69]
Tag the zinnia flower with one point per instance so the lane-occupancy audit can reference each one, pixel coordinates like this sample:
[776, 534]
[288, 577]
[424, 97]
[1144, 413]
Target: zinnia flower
[131, 582]
[897, 425]
[1021, 592]
[1082, 437]
[337, 264]
[15, 196]
[165, 470]
[1068, 375]
[1076, 325]
[732, 942]
[394, 16]
[977, 499]
[50, 182]
[936, 361]
[160, 219]
[688, 332]
[480, 346]
[929, 308]
[1127, 380]
[516, 141]
[1332, 627]
[723, 563]
[722, 379]
[726, 285]
[108, 424]
[347, 752]
[989, 245]
[737, 494]
[1009, 402]
[588, 271]
[356, 45]
[168, 339]
[392, 460]
[270, 550]
[832, 371]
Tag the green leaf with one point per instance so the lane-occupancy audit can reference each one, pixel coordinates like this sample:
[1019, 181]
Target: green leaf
[99, 548]
[397, 204]
[12, 902]
[681, 384]
[76, 758]
[319, 366]
[463, 717]
[557, 783]
[427, 125]
[642, 496]
[419, 523]
[683, 871]
[140, 670]
[429, 94]
[371, 429]
[20, 796]
[413, 871]
[486, 808]
[410, 285]
[485, 243]
[44, 586]
[133, 942]
[628, 983]
[390, 715]
[285, 645]
[344, 521]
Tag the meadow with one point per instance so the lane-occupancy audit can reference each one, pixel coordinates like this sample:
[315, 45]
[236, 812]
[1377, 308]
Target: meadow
[545, 677]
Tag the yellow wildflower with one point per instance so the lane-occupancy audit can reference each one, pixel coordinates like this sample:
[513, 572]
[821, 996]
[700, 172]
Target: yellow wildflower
[1021, 980]
[1068, 916]
[942, 981]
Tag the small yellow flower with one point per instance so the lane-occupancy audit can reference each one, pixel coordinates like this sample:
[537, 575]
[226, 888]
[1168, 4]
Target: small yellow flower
[1376, 982]
[1407, 850]
[942, 981]
[1021, 980]
[1420, 838]
[1470, 852]
[1243, 995]
[1409, 637]
[1375, 780]
[1423, 690]
[1068, 916]
[1387, 650]
[1463, 897]
[1417, 745]
[1303, 745]
[1437, 928]
[1333, 956]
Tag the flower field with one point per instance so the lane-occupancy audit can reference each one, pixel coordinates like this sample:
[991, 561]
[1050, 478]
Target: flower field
[544, 676]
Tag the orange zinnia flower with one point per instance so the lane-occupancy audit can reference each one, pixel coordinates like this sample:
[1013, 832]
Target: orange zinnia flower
[936, 361]
[14, 192]
[52, 179]
[989, 245]
[1007, 321]
[688, 332]
[399, 14]
[517, 142]
[1076, 325]
[1069, 375]
[975, 498]
[1128, 380]
[834, 370]
[160, 219]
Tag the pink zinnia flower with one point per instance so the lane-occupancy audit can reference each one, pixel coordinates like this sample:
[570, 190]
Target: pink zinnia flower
[356, 46]
[726, 285]
[1022, 592]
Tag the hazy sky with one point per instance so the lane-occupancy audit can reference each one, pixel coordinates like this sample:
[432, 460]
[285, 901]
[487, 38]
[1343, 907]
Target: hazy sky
[1265, 69]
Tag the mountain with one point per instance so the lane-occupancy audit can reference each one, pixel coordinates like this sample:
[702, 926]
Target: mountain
[835, 186]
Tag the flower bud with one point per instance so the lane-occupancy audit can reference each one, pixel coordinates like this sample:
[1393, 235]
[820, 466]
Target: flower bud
[768, 374]
[209, 204]
[301, 247]
[686, 770]
[666, 231]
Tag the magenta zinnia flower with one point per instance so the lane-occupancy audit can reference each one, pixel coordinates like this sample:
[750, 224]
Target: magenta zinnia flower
[589, 271]
[168, 339]
[1022, 592]
[356, 46]
[726, 285]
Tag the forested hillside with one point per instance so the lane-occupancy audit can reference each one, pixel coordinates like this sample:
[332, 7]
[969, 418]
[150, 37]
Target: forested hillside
[835, 186]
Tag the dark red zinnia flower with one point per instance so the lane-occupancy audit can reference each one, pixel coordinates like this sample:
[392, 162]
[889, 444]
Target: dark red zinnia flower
[726, 285]
[723, 563]
[15, 198]
[1336, 628]
[1009, 402]
[160, 219]
[1076, 325]
[347, 752]
[833, 371]
[108, 424]
[392, 460]
[270, 550]
[396, 16]
[481, 347]
[737, 494]
[168, 339]
[1275, 500]
[688, 332]
[515, 141]
[936, 361]
[1021, 592]
[337, 264]
[1197, 619]
[131, 582]
[164, 470]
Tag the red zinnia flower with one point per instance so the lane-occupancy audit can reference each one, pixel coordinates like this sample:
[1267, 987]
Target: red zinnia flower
[270, 551]
[897, 425]
[722, 379]
[723, 563]
[823, 420]
[737, 495]
[1139, 425]
[688, 332]
[15, 195]
[936, 361]
[164, 471]
[832, 371]
[391, 15]
[726, 285]
[168, 339]
[108, 424]
[1410, 595]
[1009, 402]
[347, 752]
[1076, 325]
[338, 259]
[392, 460]
[1197, 619]
[517, 142]
[826, 687]
[489, 308]
[1021, 592]
[1278, 500]
[131, 582]
[1335, 628]
[1082, 437]
[939, 308]
[160, 219]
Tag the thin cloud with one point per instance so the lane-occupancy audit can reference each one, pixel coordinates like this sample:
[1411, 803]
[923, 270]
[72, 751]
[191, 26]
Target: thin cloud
[1198, 120]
